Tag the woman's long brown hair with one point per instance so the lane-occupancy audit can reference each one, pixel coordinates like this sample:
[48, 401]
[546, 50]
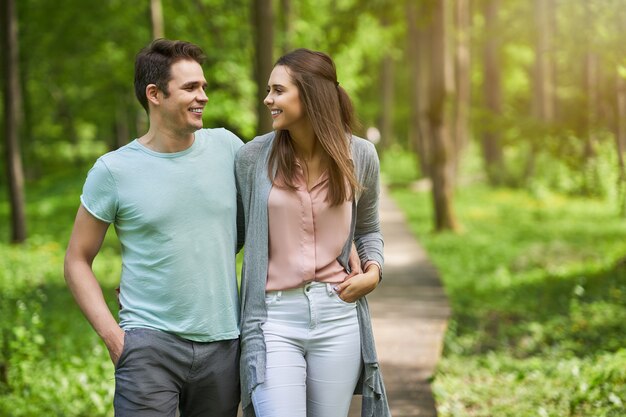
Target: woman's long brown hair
[330, 112]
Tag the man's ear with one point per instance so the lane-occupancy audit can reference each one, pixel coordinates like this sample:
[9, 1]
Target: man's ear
[152, 94]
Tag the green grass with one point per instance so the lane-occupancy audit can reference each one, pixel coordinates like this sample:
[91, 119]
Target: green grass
[52, 363]
[537, 285]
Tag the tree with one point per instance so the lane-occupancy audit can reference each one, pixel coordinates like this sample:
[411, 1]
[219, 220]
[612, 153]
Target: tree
[12, 121]
[287, 17]
[591, 76]
[387, 86]
[544, 60]
[156, 18]
[543, 97]
[617, 21]
[462, 77]
[418, 54]
[492, 89]
[620, 136]
[263, 23]
[442, 153]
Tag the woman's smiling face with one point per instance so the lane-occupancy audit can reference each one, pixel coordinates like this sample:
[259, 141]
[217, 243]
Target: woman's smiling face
[283, 100]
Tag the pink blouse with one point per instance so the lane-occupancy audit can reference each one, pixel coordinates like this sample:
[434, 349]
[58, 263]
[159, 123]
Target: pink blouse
[306, 234]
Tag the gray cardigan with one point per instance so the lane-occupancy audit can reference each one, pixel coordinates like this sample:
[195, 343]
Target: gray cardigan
[254, 187]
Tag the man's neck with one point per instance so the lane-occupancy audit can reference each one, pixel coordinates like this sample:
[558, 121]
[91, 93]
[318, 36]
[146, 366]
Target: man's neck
[163, 141]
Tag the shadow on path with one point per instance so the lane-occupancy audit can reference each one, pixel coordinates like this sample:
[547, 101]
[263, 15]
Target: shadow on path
[409, 313]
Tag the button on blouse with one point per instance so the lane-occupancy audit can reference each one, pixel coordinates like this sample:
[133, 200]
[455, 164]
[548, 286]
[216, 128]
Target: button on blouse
[306, 234]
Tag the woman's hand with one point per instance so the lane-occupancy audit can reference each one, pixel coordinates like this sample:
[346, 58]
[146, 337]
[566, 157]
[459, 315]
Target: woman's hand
[356, 286]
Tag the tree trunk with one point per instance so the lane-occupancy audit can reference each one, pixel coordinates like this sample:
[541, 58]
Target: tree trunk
[590, 89]
[262, 17]
[492, 85]
[156, 18]
[287, 19]
[13, 120]
[442, 155]
[544, 61]
[620, 121]
[418, 52]
[591, 93]
[462, 80]
[387, 94]
[543, 97]
[620, 139]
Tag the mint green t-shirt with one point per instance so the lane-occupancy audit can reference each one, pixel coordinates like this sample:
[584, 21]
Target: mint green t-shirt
[175, 216]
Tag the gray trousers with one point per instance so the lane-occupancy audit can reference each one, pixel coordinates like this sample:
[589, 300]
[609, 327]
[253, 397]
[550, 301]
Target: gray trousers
[159, 373]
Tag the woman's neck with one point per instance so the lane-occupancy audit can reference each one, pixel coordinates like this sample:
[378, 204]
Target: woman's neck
[305, 145]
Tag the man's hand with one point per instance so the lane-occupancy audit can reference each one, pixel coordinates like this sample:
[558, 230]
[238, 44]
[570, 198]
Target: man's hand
[356, 286]
[115, 344]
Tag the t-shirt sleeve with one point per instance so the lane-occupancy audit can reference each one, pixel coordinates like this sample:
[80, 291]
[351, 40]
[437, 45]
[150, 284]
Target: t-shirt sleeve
[234, 140]
[99, 195]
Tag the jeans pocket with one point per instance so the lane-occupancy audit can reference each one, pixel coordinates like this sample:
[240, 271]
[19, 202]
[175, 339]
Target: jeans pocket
[125, 349]
[335, 296]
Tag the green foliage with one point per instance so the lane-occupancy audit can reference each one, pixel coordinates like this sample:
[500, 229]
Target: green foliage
[536, 283]
[51, 362]
[399, 167]
[20, 308]
[61, 386]
[498, 385]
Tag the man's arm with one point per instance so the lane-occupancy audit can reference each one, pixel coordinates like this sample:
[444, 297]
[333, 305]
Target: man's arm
[85, 242]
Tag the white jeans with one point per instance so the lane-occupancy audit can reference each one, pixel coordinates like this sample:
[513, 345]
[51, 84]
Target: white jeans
[313, 354]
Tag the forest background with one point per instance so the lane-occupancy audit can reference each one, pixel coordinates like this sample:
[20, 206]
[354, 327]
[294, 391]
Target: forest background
[501, 128]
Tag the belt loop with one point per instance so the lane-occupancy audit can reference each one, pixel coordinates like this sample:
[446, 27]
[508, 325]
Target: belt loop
[329, 289]
[279, 294]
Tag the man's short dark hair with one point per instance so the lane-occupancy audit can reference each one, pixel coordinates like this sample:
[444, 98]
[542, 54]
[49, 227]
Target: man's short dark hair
[153, 64]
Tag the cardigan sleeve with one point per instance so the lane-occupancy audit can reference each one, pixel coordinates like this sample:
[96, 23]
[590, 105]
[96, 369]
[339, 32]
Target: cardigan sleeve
[367, 234]
[241, 218]
[250, 183]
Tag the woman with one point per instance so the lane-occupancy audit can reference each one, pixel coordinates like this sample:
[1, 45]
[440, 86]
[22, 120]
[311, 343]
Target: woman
[309, 189]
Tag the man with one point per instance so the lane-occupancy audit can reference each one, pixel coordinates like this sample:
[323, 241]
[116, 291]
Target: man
[171, 196]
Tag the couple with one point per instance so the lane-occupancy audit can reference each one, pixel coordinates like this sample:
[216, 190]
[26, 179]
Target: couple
[184, 199]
